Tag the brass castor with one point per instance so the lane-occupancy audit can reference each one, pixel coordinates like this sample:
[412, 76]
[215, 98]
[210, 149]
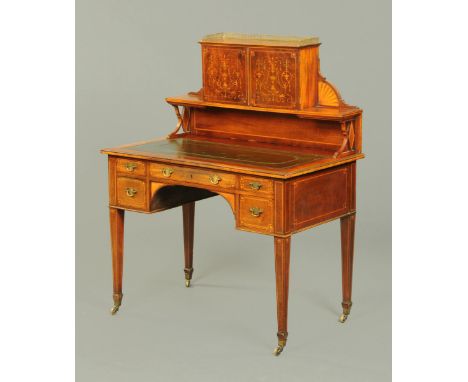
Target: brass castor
[188, 276]
[117, 302]
[278, 350]
[282, 338]
[343, 318]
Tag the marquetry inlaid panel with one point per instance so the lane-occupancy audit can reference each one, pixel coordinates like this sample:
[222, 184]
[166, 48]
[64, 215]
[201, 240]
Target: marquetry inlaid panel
[224, 74]
[273, 76]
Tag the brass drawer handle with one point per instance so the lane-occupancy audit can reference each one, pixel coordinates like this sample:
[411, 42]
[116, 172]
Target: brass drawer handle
[130, 192]
[255, 211]
[130, 166]
[167, 172]
[255, 185]
[215, 179]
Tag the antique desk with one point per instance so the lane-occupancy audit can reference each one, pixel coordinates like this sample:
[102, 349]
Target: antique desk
[269, 134]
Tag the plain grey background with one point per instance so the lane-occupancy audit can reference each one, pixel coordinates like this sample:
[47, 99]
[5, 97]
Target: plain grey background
[129, 56]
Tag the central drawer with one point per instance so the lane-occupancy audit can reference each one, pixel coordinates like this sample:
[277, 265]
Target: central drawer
[193, 175]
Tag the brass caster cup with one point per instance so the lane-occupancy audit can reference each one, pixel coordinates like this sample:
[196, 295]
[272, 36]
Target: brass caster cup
[343, 318]
[114, 309]
[187, 283]
[278, 350]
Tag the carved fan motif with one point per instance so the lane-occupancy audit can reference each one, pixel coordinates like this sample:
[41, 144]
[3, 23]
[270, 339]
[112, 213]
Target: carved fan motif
[327, 95]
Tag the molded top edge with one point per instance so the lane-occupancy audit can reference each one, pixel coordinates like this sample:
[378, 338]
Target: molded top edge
[259, 39]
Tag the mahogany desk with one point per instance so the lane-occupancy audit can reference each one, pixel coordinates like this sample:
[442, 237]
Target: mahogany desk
[267, 133]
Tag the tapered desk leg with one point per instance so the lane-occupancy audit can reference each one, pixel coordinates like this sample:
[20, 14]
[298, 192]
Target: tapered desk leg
[188, 211]
[347, 254]
[117, 237]
[282, 251]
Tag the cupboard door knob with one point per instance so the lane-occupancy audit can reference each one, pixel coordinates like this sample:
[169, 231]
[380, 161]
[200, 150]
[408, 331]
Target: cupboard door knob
[130, 192]
[215, 179]
[255, 211]
[167, 172]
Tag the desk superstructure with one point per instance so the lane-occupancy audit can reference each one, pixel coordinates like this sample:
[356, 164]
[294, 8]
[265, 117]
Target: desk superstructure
[269, 134]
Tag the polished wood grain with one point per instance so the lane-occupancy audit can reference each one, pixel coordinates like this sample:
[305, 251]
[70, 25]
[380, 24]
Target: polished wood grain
[117, 239]
[253, 158]
[193, 175]
[310, 207]
[308, 77]
[131, 167]
[131, 193]
[225, 74]
[256, 214]
[273, 78]
[188, 213]
[267, 127]
[318, 112]
[267, 133]
[282, 259]
[255, 185]
[347, 256]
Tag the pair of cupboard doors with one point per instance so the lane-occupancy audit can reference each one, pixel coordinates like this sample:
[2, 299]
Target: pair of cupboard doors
[284, 78]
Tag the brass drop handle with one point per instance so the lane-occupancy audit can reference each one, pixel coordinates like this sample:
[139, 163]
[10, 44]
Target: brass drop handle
[255, 211]
[167, 172]
[255, 185]
[130, 192]
[215, 179]
[130, 166]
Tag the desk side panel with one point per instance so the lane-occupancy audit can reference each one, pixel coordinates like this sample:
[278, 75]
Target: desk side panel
[322, 196]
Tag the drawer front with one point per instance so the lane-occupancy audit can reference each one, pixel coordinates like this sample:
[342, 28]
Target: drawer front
[190, 175]
[131, 193]
[256, 214]
[258, 186]
[131, 167]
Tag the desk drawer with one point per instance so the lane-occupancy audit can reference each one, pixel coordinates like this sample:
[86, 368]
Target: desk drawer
[131, 193]
[258, 186]
[191, 175]
[131, 167]
[256, 214]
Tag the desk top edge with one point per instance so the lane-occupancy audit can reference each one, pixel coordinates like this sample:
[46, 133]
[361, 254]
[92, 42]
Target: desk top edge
[282, 173]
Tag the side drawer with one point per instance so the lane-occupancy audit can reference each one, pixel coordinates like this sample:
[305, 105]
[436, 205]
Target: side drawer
[131, 193]
[193, 175]
[258, 186]
[256, 214]
[130, 167]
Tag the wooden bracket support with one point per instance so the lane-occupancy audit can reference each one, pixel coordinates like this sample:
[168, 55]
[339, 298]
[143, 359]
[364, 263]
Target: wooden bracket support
[347, 130]
[180, 120]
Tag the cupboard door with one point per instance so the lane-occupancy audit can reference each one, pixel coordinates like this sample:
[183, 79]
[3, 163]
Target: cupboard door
[273, 75]
[224, 74]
